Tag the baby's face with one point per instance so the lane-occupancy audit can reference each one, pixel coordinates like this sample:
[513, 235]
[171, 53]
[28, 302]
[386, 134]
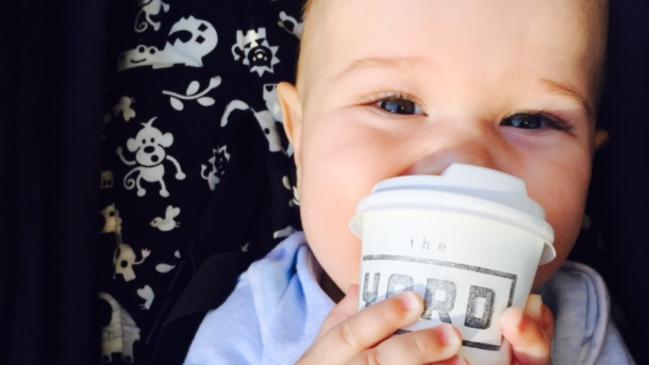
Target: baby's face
[409, 87]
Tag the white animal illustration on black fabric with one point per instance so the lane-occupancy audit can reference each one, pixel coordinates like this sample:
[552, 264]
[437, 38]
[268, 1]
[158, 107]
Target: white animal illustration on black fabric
[124, 107]
[106, 180]
[125, 259]
[120, 334]
[267, 119]
[290, 24]
[217, 166]
[167, 223]
[163, 268]
[295, 199]
[112, 220]
[189, 40]
[149, 8]
[148, 295]
[253, 50]
[150, 149]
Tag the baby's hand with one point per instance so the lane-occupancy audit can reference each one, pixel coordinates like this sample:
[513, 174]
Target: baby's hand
[365, 337]
[529, 333]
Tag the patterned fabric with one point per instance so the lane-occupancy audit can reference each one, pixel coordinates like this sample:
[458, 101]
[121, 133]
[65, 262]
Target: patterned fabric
[193, 82]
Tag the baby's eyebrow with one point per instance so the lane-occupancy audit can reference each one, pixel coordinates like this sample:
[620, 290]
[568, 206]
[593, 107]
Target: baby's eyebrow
[561, 89]
[369, 63]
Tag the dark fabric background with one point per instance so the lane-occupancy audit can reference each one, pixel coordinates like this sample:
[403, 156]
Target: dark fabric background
[56, 61]
[237, 215]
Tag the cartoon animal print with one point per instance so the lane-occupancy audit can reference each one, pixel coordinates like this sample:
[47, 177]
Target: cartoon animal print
[189, 40]
[124, 107]
[253, 50]
[295, 199]
[149, 8]
[267, 119]
[217, 166]
[148, 295]
[150, 149]
[290, 24]
[125, 259]
[167, 223]
[112, 220]
[106, 180]
[120, 334]
[164, 268]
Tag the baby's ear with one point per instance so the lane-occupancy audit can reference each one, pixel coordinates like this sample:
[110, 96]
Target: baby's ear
[289, 100]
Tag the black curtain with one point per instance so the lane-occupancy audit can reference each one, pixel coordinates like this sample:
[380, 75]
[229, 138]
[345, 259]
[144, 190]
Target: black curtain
[52, 80]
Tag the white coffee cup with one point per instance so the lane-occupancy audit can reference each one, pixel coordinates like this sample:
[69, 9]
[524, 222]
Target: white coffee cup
[468, 241]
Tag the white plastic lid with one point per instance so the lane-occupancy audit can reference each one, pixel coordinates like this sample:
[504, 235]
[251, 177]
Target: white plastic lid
[463, 188]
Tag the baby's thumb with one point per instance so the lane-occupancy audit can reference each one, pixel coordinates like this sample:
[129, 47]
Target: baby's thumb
[346, 308]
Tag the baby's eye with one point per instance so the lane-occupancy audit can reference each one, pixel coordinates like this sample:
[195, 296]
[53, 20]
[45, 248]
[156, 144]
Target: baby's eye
[533, 121]
[400, 105]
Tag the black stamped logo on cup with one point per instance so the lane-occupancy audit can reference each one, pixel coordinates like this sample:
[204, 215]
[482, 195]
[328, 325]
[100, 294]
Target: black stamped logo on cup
[469, 297]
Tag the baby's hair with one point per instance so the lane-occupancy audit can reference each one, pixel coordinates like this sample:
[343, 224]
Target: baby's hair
[600, 7]
[307, 6]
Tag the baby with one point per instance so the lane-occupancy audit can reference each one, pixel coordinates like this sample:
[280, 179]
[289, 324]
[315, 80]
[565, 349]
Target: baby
[388, 88]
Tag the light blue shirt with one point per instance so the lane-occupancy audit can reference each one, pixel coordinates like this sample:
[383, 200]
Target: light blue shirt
[276, 310]
[273, 315]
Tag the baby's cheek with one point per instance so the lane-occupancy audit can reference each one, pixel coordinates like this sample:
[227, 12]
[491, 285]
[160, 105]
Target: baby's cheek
[343, 263]
[565, 214]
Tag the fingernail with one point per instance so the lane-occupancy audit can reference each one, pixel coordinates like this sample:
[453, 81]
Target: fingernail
[449, 335]
[409, 301]
[533, 306]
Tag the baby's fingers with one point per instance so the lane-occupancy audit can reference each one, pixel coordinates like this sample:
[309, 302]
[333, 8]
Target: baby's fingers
[420, 347]
[364, 330]
[529, 333]
[344, 310]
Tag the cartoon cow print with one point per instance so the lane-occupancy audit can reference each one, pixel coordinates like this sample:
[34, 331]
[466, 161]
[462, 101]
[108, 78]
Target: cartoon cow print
[150, 149]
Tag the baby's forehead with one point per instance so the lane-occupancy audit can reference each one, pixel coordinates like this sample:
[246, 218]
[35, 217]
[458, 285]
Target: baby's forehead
[559, 29]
